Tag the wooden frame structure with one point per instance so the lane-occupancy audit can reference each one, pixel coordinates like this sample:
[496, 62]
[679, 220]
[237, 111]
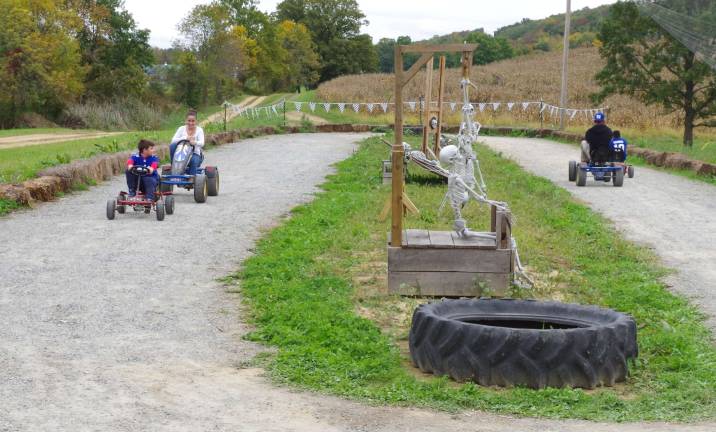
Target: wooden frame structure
[403, 77]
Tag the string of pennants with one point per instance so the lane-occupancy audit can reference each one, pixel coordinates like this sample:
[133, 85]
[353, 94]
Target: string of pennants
[413, 106]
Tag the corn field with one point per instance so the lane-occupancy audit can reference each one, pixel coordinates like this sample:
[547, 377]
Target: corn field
[531, 78]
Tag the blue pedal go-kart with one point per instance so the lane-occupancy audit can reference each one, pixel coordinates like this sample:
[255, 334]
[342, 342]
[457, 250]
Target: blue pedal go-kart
[601, 171]
[204, 183]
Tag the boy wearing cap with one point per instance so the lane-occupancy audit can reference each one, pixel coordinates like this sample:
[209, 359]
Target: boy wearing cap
[597, 139]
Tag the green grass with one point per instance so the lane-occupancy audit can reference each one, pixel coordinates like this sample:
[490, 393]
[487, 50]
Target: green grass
[21, 163]
[303, 300]
[6, 206]
[20, 132]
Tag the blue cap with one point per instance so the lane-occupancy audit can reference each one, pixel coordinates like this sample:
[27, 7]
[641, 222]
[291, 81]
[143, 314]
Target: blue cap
[599, 117]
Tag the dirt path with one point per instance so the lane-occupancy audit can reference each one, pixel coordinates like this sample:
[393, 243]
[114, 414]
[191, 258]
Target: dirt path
[46, 138]
[294, 118]
[249, 102]
[97, 336]
[672, 215]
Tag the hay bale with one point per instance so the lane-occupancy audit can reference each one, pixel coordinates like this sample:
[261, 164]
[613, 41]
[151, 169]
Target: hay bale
[707, 169]
[15, 193]
[45, 188]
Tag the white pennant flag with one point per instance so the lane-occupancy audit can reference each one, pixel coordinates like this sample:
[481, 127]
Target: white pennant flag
[525, 105]
[482, 107]
[452, 106]
[572, 113]
[312, 106]
[422, 104]
[412, 106]
[273, 108]
[341, 107]
[356, 107]
[495, 106]
[384, 106]
[544, 107]
[298, 106]
[370, 107]
[327, 106]
[510, 105]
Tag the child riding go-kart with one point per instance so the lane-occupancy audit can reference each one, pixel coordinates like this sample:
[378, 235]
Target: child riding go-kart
[140, 201]
[204, 183]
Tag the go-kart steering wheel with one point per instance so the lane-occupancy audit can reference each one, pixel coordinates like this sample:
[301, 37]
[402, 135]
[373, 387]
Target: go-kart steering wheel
[139, 170]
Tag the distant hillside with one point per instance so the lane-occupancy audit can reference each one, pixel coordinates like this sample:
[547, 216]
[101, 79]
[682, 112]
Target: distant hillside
[546, 34]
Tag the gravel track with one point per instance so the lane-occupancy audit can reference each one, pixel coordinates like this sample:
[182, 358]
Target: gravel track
[670, 214]
[95, 336]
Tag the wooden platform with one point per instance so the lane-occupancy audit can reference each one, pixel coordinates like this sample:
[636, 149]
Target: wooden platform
[442, 264]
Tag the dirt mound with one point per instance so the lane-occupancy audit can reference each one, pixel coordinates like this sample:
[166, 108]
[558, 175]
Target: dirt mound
[33, 120]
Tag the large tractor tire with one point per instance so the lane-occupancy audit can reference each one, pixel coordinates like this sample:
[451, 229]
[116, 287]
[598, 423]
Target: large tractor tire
[523, 343]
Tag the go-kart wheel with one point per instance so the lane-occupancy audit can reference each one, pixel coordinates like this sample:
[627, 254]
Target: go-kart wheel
[160, 211]
[572, 170]
[111, 208]
[630, 171]
[169, 204]
[120, 207]
[212, 179]
[619, 177]
[201, 188]
[166, 170]
[581, 176]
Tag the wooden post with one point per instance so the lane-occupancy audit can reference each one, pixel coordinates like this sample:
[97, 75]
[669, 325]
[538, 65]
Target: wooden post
[428, 102]
[397, 155]
[565, 63]
[441, 92]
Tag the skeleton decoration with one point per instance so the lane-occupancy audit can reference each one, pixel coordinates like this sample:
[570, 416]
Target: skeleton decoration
[462, 163]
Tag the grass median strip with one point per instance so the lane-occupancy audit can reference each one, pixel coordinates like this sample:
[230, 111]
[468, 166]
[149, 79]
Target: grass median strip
[312, 276]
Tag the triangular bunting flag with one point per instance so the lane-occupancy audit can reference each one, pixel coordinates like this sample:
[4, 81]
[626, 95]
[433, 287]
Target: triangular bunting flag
[452, 106]
[572, 113]
[482, 107]
[273, 108]
[412, 106]
[370, 107]
[327, 106]
[510, 105]
[525, 105]
[341, 107]
[495, 106]
[298, 106]
[312, 106]
[544, 107]
[384, 106]
[356, 107]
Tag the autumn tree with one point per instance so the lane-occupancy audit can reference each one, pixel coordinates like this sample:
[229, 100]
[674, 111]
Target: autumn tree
[335, 29]
[40, 61]
[113, 49]
[301, 57]
[643, 60]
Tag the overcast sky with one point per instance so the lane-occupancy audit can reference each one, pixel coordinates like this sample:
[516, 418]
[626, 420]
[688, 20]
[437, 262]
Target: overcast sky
[419, 19]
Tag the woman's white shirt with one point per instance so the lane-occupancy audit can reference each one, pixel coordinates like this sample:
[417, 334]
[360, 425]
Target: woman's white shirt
[182, 134]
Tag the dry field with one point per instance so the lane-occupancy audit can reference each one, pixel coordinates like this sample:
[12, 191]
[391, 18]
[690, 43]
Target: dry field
[528, 78]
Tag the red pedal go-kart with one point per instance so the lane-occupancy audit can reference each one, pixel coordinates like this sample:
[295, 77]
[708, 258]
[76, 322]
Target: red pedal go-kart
[161, 204]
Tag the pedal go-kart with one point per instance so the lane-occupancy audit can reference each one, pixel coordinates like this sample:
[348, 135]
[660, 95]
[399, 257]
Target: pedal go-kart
[161, 205]
[601, 171]
[204, 183]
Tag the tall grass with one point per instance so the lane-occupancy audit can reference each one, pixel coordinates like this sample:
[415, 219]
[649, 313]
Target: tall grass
[118, 114]
[527, 78]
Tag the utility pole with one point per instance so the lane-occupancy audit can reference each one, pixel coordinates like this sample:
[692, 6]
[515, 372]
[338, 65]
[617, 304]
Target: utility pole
[565, 58]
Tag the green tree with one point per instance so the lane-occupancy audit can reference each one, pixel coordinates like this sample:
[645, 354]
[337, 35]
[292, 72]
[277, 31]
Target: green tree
[335, 29]
[643, 60]
[40, 63]
[385, 49]
[114, 50]
[302, 59]
[489, 49]
[188, 80]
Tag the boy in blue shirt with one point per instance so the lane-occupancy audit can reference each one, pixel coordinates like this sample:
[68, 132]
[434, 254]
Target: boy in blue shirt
[619, 147]
[145, 156]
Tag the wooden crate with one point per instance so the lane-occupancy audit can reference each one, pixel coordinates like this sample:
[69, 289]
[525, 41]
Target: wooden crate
[441, 264]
